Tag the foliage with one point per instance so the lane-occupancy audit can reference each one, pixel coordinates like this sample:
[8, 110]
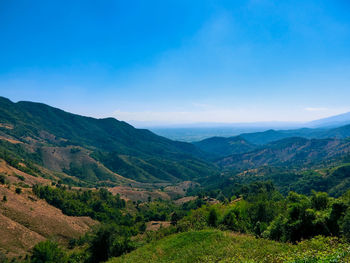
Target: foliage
[100, 205]
[48, 252]
[217, 246]
[2, 179]
[108, 241]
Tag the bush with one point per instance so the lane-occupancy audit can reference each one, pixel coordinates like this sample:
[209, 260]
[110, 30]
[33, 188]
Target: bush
[18, 190]
[212, 218]
[345, 227]
[109, 241]
[2, 179]
[48, 251]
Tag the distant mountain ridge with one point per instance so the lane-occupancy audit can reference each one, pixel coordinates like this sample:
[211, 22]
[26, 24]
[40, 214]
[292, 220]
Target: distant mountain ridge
[246, 142]
[97, 149]
[220, 146]
[294, 151]
[200, 131]
[108, 151]
[331, 122]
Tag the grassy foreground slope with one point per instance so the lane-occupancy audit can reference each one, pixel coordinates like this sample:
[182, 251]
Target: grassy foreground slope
[219, 246]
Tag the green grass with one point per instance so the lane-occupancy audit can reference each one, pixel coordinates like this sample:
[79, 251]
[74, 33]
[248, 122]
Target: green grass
[218, 246]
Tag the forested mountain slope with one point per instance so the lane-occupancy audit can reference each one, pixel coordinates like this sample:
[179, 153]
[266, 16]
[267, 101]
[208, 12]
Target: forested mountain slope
[95, 149]
[296, 152]
[221, 146]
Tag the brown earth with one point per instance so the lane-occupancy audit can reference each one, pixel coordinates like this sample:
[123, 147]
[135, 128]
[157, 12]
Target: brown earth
[185, 199]
[180, 189]
[138, 194]
[155, 225]
[13, 175]
[6, 126]
[142, 194]
[27, 220]
[9, 140]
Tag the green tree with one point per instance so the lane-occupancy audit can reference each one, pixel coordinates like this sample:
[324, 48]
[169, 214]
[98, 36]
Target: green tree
[345, 227]
[48, 252]
[174, 218]
[213, 217]
[319, 200]
[109, 241]
[2, 179]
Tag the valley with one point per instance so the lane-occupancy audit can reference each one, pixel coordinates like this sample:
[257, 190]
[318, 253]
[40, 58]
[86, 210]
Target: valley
[93, 189]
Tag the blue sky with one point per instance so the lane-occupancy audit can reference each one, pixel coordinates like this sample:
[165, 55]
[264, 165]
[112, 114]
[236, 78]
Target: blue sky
[179, 61]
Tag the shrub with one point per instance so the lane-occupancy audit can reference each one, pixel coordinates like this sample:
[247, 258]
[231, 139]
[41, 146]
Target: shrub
[213, 217]
[18, 190]
[109, 241]
[345, 227]
[2, 179]
[48, 251]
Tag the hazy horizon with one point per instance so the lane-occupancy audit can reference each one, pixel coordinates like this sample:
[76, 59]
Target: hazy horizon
[179, 62]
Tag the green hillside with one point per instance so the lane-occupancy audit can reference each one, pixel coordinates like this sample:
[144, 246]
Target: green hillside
[219, 246]
[295, 152]
[221, 146]
[96, 149]
[269, 136]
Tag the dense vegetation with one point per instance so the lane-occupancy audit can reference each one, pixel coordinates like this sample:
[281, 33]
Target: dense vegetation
[17, 156]
[100, 205]
[256, 209]
[218, 246]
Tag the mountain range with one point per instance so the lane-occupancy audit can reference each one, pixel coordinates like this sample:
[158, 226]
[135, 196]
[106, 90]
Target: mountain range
[47, 153]
[93, 150]
[47, 141]
[201, 131]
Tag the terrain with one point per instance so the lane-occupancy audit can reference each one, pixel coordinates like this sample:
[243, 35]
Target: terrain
[27, 220]
[92, 189]
[269, 130]
[224, 246]
[96, 150]
[293, 152]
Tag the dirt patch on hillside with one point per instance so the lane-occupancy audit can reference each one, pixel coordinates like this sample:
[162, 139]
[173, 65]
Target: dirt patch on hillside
[6, 126]
[136, 194]
[185, 199]
[180, 189]
[9, 140]
[34, 220]
[16, 239]
[14, 175]
[155, 225]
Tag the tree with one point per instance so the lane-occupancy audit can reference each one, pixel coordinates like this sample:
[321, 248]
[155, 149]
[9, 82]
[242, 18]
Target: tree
[18, 190]
[213, 217]
[48, 252]
[345, 227]
[109, 241]
[319, 200]
[2, 179]
[174, 218]
[230, 221]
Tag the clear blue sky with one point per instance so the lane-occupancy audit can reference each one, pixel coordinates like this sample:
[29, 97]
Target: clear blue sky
[179, 61]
